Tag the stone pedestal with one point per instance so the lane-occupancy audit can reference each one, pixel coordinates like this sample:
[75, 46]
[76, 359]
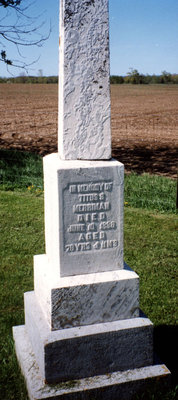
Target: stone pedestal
[84, 336]
[83, 215]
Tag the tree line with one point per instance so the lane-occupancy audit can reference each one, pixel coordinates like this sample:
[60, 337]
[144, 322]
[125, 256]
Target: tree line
[30, 79]
[133, 77]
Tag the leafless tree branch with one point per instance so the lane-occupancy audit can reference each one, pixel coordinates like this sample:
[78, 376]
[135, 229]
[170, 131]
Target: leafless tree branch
[26, 30]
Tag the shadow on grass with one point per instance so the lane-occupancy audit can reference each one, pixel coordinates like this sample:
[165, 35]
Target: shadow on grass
[147, 157]
[11, 157]
[20, 169]
[158, 160]
[165, 345]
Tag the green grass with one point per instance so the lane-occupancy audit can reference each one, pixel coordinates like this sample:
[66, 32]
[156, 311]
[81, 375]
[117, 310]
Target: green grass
[20, 170]
[150, 249]
[21, 232]
[151, 192]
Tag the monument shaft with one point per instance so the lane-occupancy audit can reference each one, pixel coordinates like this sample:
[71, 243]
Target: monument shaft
[84, 90]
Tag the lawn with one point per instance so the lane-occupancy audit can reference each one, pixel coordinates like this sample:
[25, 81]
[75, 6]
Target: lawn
[150, 249]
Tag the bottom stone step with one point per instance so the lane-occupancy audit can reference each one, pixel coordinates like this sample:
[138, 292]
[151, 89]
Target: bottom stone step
[86, 351]
[115, 386]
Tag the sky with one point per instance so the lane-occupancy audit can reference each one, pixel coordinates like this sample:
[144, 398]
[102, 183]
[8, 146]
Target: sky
[143, 36]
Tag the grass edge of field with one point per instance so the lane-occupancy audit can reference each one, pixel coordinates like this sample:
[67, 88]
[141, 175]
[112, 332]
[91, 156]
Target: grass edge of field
[23, 171]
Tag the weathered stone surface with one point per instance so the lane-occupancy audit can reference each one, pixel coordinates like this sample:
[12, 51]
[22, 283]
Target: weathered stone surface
[117, 385]
[83, 215]
[85, 299]
[84, 90]
[87, 350]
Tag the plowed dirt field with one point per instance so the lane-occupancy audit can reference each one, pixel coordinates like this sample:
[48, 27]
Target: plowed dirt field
[144, 123]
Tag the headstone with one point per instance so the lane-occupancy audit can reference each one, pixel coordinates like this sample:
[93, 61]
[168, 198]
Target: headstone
[84, 336]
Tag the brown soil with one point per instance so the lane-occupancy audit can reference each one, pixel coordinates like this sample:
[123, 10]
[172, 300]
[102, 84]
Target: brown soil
[144, 123]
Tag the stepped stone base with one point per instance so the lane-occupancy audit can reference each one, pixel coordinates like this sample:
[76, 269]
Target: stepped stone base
[90, 350]
[114, 386]
[85, 299]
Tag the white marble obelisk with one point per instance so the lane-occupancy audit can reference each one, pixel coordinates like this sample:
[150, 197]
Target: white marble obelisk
[84, 337]
[84, 89]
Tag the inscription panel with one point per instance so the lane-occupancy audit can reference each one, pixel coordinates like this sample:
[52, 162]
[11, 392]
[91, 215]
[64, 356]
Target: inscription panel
[91, 224]
[91, 220]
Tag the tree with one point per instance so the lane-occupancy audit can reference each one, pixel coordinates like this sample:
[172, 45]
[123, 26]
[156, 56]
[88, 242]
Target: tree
[134, 77]
[166, 77]
[115, 79]
[18, 27]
